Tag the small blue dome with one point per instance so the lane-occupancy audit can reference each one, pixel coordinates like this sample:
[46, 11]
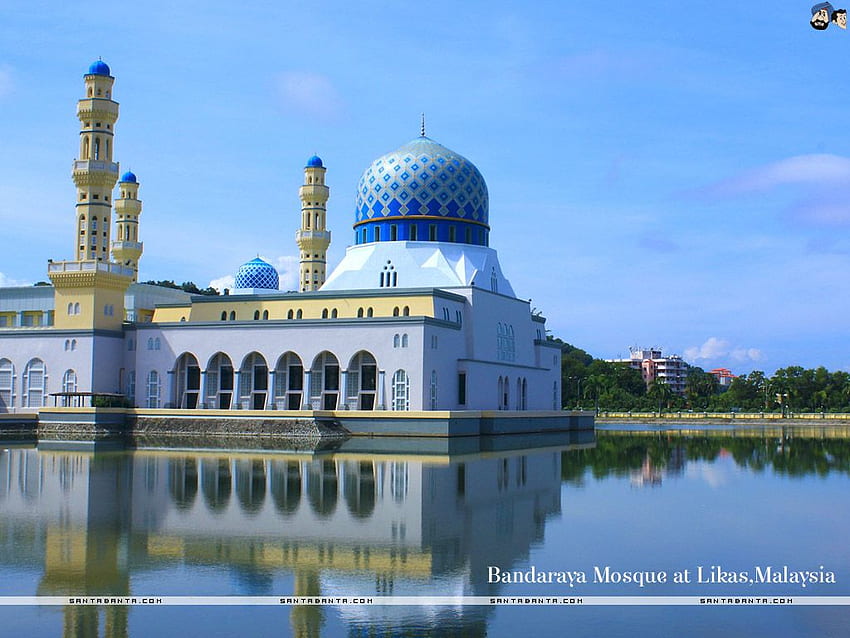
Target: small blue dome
[314, 162]
[98, 68]
[257, 274]
[129, 176]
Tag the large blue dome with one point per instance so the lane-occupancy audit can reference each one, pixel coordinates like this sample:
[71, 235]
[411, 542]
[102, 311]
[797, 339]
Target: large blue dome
[314, 162]
[422, 191]
[257, 274]
[98, 67]
[130, 177]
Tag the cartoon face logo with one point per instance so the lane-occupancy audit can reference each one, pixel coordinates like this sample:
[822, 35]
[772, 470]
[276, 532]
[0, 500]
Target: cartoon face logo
[820, 20]
[820, 15]
[839, 18]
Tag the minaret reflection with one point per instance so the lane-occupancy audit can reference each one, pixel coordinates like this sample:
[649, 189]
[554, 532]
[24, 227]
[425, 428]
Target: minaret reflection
[407, 525]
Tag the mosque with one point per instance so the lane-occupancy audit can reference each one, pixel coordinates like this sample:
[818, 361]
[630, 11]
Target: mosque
[418, 316]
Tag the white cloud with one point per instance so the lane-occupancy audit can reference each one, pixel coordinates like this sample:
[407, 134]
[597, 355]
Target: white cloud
[715, 348]
[221, 283]
[287, 270]
[7, 282]
[7, 85]
[309, 94]
[817, 169]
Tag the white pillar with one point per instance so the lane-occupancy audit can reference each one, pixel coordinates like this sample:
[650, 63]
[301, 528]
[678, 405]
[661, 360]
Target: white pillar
[381, 378]
[172, 389]
[305, 392]
[236, 397]
[202, 400]
[270, 390]
[343, 390]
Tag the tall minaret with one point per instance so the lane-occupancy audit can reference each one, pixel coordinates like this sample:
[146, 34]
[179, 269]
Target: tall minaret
[312, 239]
[127, 248]
[89, 290]
[95, 173]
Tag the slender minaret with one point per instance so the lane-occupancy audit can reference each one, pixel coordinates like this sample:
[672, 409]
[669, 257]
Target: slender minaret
[89, 290]
[127, 249]
[94, 172]
[312, 239]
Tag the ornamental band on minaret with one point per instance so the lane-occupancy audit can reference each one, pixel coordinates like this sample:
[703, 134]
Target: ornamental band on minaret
[312, 238]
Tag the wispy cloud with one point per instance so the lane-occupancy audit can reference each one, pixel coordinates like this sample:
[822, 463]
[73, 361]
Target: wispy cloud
[714, 349]
[8, 281]
[310, 94]
[815, 170]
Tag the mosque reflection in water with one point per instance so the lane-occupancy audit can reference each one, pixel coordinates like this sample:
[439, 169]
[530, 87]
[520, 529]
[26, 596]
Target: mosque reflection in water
[345, 524]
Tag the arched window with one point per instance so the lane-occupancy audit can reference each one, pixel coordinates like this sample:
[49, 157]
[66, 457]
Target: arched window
[77, 308]
[290, 314]
[156, 344]
[396, 341]
[265, 315]
[233, 315]
[299, 314]
[150, 343]
[256, 315]
[369, 312]
[97, 148]
[7, 385]
[406, 311]
[153, 389]
[360, 312]
[324, 313]
[35, 384]
[334, 314]
[404, 340]
[73, 344]
[70, 308]
[67, 344]
[401, 391]
[395, 311]
[69, 384]
[224, 315]
[494, 281]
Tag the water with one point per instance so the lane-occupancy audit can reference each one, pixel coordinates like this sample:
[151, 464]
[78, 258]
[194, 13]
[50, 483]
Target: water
[435, 518]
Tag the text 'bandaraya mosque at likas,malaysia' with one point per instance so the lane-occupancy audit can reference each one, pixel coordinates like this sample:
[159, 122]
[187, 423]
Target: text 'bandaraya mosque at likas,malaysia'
[417, 316]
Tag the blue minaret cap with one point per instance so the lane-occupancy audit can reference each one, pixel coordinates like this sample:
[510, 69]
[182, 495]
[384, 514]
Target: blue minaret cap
[314, 162]
[98, 67]
[129, 176]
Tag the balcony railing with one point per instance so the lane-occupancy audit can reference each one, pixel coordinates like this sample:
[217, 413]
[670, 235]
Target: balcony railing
[84, 266]
[95, 165]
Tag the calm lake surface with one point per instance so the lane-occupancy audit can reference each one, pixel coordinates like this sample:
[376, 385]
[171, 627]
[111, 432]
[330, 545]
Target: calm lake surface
[429, 518]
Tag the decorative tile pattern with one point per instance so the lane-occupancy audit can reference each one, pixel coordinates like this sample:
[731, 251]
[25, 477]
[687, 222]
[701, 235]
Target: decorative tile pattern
[257, 274]
[422, 178]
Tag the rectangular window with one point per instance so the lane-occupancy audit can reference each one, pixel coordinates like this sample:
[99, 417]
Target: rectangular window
[377, 233]
[393, 232]
[468, 235]
[432, 232]
[461, 388]
[413, 232]
[452, 234]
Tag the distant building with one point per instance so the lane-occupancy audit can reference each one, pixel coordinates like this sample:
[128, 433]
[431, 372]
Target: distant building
[724, 376]
[671, 370]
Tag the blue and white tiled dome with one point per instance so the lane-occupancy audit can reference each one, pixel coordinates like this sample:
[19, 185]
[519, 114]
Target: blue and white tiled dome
[422, 191]
[257, 274]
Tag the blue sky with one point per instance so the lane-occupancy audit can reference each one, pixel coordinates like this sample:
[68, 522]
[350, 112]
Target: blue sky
[664, 175]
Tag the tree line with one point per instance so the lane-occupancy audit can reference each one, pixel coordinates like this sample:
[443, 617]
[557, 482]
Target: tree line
[588, 382]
